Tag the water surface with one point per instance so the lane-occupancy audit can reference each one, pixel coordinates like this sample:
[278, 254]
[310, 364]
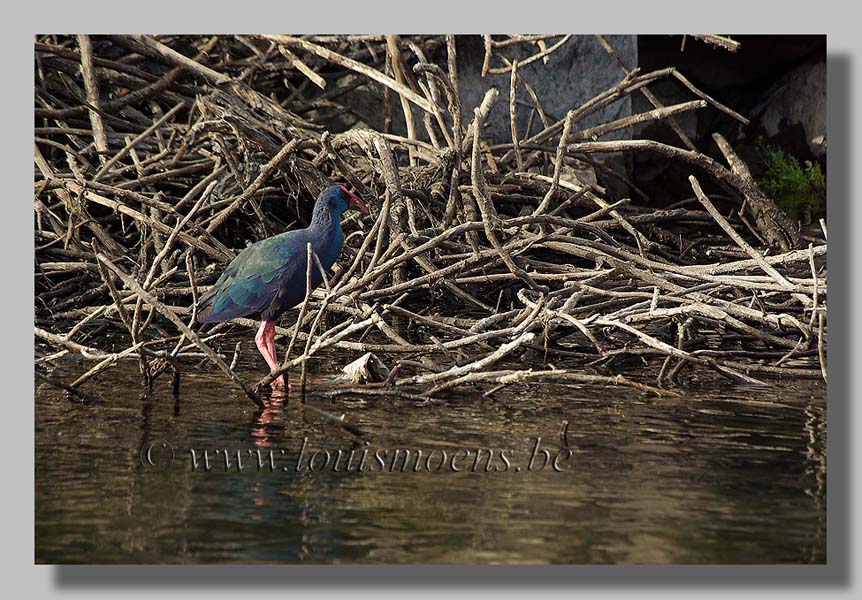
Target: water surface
[723, 474]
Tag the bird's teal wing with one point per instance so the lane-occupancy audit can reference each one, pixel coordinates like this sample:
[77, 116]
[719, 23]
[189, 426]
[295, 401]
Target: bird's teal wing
[253, 279]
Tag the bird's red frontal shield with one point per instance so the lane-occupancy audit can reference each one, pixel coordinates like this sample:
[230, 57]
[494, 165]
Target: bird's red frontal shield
[355, 202]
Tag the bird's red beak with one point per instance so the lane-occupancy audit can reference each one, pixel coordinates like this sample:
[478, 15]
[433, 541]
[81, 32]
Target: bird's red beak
[355, 202]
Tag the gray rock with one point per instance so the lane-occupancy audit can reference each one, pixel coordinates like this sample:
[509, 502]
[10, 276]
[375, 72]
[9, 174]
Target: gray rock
[798, 100]
[575, 73]
[365, 369]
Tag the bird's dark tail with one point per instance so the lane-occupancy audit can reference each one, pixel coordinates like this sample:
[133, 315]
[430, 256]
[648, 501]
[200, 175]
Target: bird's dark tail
[214, 308]
[205, 308]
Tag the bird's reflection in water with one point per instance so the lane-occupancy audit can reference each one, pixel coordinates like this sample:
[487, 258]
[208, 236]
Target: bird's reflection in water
[268, 433]
[258, 500]
[266, 427]
[269, 424]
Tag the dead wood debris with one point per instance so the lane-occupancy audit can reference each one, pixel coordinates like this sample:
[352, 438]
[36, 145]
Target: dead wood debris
[157, 158]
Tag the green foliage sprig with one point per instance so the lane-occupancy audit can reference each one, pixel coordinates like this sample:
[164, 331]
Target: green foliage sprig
[797, 189]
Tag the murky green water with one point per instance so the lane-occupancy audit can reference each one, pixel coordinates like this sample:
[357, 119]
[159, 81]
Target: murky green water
[722, 475]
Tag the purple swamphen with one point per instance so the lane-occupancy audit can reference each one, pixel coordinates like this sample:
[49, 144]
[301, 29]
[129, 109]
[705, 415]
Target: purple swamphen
[269, 277]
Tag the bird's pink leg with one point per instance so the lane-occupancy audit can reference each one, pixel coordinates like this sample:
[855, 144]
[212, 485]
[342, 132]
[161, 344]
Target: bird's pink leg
[265, 341]
[269, 338]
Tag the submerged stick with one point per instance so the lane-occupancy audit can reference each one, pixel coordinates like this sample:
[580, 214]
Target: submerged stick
[190, 335]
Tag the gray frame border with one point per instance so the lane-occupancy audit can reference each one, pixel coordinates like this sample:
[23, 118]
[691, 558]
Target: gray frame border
[832, 17]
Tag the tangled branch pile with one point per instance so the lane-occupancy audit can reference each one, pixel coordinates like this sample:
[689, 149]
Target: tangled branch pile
[156, 159]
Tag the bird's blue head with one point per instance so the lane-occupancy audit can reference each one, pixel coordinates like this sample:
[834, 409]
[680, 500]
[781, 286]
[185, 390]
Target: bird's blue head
[336, 199]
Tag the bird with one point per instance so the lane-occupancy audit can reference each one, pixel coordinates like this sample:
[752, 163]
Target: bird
[269, 277]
